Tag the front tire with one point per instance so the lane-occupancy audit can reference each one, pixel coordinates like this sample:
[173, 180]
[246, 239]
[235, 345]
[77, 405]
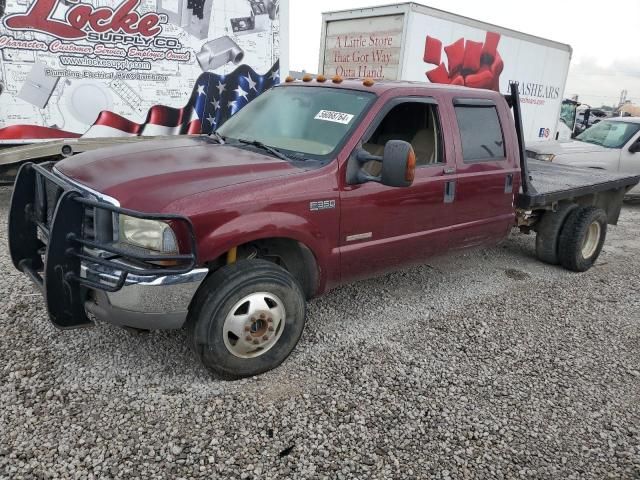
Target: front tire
[582, 238]
[246, 319]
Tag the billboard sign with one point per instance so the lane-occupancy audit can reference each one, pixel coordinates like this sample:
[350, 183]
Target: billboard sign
[72, 68]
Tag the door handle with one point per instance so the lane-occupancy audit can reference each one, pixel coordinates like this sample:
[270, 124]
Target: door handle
[449, 191]
[449, 170]
[508, 183]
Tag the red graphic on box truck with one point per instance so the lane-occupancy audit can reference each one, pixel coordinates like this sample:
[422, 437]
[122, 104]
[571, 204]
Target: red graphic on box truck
[469, 63]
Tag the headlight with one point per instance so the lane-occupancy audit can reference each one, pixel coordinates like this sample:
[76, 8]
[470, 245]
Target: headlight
[149, 234]
[545, 157]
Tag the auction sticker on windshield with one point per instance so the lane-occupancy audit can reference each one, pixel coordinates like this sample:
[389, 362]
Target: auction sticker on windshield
[330, 116]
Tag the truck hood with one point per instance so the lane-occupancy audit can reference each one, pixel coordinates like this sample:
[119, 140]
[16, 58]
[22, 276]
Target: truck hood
[565, 148]
[149, 175]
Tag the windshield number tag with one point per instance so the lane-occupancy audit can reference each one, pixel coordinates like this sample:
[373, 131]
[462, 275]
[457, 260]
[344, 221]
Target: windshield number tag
[337, 117]
[322, 205]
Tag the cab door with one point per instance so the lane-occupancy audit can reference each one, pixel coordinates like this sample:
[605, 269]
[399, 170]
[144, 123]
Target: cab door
[487, 168]
[383, 228]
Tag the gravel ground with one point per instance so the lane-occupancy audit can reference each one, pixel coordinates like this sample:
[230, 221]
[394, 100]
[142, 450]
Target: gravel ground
[485, 365]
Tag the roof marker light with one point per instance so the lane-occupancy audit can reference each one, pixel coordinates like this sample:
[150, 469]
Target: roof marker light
[289, 79]
[337, 79]
[321, 78]
[307, 78]
[368, 82]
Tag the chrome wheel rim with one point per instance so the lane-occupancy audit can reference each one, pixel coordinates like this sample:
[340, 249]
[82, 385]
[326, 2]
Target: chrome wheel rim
[591, 240]
[254, 325]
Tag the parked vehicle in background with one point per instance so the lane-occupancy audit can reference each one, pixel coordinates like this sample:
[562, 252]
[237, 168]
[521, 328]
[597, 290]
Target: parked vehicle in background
[612, 144]
[586, 117]
[568, 117]
[312, 185]
[412, 42]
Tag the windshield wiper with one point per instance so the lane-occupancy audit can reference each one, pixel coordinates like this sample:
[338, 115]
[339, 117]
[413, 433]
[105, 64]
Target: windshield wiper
[217, 137]
[271, 150]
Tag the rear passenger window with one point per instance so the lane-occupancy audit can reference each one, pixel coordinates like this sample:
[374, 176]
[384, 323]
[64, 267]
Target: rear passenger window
[480, 133]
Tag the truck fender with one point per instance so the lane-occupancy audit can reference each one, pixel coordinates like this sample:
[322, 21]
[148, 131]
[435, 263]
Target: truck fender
[270, 225]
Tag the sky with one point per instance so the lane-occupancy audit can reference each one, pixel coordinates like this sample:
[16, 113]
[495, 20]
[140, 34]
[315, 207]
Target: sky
[606, 50]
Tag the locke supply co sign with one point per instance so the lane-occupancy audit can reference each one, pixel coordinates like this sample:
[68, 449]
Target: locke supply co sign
[74, 68]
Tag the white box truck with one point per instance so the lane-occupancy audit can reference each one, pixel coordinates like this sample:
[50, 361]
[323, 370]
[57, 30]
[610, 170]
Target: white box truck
[83, 70]
[412, 42]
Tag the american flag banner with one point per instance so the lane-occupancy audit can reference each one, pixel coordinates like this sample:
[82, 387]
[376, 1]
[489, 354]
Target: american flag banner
[214, 99]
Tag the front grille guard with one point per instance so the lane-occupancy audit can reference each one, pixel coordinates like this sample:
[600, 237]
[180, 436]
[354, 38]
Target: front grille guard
[64, 288]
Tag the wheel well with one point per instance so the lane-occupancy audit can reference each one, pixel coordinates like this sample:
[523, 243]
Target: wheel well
[610, 201]
[293, 256]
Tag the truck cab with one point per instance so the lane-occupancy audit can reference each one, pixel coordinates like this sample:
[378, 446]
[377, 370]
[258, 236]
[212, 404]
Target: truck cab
[462, 193]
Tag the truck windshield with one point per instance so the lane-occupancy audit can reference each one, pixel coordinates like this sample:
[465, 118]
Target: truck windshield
[300, 121]
[610, 134]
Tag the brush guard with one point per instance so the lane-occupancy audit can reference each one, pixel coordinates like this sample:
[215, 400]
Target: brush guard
[48, 241]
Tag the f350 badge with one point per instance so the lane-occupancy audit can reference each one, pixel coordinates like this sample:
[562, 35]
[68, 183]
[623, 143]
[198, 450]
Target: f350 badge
[322, 205]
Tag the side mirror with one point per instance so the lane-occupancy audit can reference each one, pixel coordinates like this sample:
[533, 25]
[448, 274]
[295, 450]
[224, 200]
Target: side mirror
[635, 147]
[398, 165]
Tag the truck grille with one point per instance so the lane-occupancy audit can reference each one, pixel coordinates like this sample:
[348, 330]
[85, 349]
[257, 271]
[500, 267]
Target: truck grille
[89, 223]
[46, 199]
[47, 195]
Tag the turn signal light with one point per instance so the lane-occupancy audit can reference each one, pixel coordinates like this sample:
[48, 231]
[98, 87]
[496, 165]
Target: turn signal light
[410, 173]
[166, 263]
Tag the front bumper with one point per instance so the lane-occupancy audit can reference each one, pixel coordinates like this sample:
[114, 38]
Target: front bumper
[63, 236]
[144, 302]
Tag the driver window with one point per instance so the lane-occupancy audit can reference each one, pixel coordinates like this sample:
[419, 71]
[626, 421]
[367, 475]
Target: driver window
[416, 123]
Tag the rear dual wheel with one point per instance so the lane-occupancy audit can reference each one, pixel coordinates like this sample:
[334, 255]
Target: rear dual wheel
[549, 229]
[572, 236]
[582, 238]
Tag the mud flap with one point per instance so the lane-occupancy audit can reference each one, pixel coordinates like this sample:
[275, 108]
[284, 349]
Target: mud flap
[63, 294]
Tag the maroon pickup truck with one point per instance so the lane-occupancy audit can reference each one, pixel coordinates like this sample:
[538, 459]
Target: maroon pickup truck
[312, 185]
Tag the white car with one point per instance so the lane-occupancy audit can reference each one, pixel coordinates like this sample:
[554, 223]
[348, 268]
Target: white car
[612, 144]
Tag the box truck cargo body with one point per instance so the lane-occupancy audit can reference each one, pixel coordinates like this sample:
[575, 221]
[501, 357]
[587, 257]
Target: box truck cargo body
[122, 68]
[413, 42]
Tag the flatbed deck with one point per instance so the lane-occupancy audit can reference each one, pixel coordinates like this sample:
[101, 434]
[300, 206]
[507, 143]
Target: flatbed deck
[553, 182]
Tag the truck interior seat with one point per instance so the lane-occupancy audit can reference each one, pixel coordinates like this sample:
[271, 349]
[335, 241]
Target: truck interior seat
[424, 145]
[415, 123]
[374, 149]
